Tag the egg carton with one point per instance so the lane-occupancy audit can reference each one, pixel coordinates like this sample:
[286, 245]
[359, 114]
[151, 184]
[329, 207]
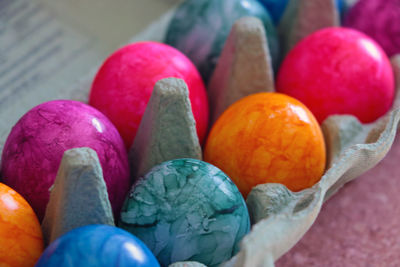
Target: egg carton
[279, 216]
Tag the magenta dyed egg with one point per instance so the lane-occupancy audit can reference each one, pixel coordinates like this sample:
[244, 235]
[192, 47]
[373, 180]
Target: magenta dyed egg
[35, 146]
[339, 71]
[380, 19]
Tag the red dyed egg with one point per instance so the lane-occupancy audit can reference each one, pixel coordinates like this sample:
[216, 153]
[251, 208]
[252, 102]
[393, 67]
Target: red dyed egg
[123, 85]
[339, 71]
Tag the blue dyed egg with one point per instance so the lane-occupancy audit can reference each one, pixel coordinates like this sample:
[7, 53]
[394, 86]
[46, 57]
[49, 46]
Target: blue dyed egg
[200, 28]
[187, 210]
[276, 8]
[97, 245]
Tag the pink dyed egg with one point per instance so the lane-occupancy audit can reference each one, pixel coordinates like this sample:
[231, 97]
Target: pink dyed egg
[35, 146]
[339, 71]
[123, 85]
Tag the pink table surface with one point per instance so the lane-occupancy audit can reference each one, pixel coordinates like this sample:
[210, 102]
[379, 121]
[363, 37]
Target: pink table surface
[360, 225]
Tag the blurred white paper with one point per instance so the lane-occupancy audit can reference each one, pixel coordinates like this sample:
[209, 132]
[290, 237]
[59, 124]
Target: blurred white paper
[49, 49]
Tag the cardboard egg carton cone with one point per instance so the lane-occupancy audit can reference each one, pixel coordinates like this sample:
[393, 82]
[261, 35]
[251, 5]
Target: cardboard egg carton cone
[187, 264]
[303, 17]
[281, 217]
[233, 78]
[167, 130]
[78, 196]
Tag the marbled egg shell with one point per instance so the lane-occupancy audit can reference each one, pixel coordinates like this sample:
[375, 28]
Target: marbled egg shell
[21, 240]
[267, 138]
[97, 245]
[187, 209]
[35, 146]
[200, 28]
[380, 19]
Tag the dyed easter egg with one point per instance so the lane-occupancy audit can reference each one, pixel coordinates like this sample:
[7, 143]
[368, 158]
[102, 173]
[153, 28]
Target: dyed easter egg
[341, 7]
[21, 241]
[97, 245]
[200, 28]
[35, 146]
[339, 71]
[267, 138]
[277, 8]
[187, 210]
[380, 19]
[124, 83]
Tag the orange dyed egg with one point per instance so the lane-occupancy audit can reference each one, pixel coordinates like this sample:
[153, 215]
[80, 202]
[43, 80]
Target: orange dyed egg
[21, 241]
[267, 138]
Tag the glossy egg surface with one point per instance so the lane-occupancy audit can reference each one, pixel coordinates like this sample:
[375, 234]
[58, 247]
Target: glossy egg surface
[97, 245]
[21, 240]
[339, 71]
[34, 149]
[267, 138]
[187, 210]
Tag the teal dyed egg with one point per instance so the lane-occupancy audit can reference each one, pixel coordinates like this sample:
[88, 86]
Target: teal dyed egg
[187, 210]
[200, 28]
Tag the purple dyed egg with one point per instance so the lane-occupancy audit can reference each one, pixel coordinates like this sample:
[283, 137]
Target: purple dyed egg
[380, 19]
[35, 146]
